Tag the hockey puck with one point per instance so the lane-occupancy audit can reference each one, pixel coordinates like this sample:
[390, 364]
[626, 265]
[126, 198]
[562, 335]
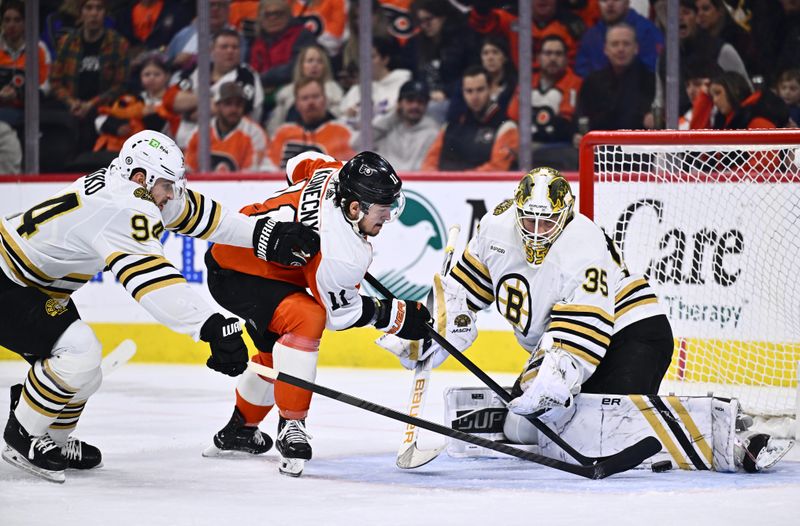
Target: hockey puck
[660, 467]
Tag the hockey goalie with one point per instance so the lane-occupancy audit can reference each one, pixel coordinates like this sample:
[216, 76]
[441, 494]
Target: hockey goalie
[599, 343]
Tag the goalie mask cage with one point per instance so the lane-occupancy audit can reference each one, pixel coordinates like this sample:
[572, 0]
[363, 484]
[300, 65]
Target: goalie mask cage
[712, 219]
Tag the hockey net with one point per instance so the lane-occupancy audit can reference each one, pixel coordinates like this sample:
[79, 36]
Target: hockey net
[712, 219]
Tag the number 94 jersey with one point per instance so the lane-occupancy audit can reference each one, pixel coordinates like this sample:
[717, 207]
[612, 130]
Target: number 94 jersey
[103, 221]
[581, 293]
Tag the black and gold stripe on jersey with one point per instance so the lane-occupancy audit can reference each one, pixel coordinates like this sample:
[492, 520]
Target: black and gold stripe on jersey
[199, 218]
[142, 274]
[582, 330]
[677, 431]
[44, 391]
[30, 275]
[635, 294]
[474, 277]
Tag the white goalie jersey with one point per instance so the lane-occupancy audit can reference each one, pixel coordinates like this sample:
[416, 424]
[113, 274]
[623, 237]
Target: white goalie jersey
[581, 294]
[107, 222]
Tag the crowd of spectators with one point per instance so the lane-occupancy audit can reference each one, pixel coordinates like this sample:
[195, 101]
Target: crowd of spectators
[445, 95]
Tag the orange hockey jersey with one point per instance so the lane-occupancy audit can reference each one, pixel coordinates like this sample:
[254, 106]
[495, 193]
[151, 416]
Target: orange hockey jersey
[334, 274]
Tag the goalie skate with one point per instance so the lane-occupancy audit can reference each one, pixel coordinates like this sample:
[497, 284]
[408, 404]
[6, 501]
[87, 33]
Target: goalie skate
[761, 452]
[292, 444]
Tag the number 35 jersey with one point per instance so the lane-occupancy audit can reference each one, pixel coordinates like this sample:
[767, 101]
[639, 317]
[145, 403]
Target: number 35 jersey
[102, 221]
[581, 293]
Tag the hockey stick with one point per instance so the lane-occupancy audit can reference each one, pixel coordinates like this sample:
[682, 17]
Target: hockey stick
[409, 456]
[505, 395]
[118, 357]
[618, 463]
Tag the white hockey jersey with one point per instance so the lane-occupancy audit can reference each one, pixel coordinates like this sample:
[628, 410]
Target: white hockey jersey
[334, 274]
[581, 294]
[104, 221]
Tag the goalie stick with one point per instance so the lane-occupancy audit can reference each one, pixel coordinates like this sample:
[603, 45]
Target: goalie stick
[622, 461]
[409, 456]
[503, 394]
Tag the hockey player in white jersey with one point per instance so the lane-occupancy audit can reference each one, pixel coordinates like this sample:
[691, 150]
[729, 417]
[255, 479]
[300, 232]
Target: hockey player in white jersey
[347, 203]
[112, 219]
[589, 325]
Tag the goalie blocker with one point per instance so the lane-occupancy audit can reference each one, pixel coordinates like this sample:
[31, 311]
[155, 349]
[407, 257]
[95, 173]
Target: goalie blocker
[697, 433]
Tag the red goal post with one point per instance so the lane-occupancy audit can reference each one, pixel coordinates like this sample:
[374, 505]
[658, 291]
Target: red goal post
[712, 218]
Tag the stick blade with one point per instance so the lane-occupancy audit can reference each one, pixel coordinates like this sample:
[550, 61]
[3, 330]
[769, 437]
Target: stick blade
[628, 458]
[121, 354]
[413, 458]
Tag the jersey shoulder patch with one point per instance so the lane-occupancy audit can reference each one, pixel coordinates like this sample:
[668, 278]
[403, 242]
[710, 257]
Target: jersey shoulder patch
[502, 207]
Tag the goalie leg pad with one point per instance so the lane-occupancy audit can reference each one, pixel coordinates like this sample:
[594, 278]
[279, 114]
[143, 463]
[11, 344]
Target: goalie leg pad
[474, 410]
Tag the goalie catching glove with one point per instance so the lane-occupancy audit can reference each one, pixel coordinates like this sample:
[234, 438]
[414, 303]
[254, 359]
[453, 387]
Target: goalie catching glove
[286, 243]
[551, 379]
[452, 319]
[228, 350]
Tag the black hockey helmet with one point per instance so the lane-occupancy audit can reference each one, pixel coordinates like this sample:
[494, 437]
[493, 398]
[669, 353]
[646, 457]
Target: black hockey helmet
[369, 179]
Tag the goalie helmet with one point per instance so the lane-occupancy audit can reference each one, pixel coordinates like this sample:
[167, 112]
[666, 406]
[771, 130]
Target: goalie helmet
[157, 156]
[369, 179]
[544, 205]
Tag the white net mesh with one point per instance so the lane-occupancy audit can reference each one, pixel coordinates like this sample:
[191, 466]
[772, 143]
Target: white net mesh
[716, 229]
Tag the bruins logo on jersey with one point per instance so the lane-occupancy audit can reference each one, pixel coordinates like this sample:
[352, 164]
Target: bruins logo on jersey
[502, 207]
[513, 301]
[54, 307]
[143, 194]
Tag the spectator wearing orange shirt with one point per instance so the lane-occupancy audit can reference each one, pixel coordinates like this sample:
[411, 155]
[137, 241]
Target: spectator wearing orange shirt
[151, 24]
[554, 94]
[326, 20]
[482, 138]
[237, 143]
[313, 130]
[12, 63]
[546, 20]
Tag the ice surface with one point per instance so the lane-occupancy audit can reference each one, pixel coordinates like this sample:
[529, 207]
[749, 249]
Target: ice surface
[153, 421]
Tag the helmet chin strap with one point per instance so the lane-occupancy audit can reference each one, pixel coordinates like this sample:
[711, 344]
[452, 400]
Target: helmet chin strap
[354, 222]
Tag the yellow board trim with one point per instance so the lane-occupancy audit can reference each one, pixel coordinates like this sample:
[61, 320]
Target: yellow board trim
[694, 432]
[664, 436]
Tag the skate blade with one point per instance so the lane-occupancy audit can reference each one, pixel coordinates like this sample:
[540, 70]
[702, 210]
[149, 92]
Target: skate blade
[15, 459]
[292, 467]
[213, 451]
[769, 457]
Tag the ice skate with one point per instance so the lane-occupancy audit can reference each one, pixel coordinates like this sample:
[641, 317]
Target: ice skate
[237, 438]
[761, 452]
[80, 455]
[292, 444]
[37, 455]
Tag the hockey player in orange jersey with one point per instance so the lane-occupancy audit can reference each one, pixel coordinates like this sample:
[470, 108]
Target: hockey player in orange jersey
[346, 203]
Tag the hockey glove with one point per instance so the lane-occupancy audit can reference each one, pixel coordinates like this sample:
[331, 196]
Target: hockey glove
[548, 394]
[412, 351]
[409, 320]
[287, 243]
[228, 350]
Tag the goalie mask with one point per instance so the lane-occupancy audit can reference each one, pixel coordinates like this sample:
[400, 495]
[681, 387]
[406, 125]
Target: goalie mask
[157, 156]
[544, 205]
[370, 180]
